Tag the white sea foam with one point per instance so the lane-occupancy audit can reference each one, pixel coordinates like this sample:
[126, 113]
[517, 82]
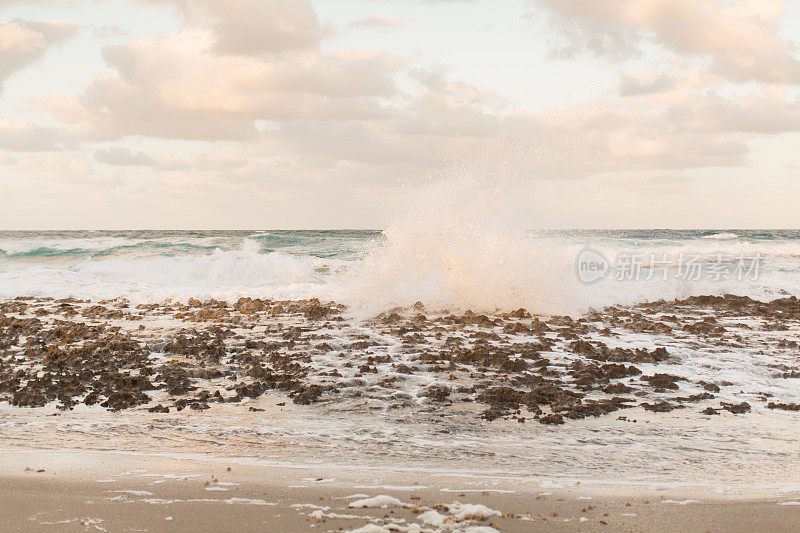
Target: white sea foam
[490, 272]
[461, 243]
[381, 501]
[722, 236]
[465, 244]
[241, 272]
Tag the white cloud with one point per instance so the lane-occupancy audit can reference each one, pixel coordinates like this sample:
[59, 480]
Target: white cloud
[19, 136]
[121, 156]
[252, 27]
[740, 38]
[255, 107]
[56, 166]
[378, 22]
[644, 82]
[178, 87]
[23, 42]
[754, 114]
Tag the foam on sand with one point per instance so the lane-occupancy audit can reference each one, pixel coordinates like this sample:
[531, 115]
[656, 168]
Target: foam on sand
[381, 501]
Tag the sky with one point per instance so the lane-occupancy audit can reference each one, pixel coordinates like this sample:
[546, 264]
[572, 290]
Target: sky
[325, 113]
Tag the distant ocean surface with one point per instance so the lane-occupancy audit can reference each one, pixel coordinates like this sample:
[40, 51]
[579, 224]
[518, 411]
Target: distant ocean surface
[376, 270]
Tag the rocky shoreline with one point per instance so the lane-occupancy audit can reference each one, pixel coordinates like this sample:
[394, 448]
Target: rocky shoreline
[175, 356]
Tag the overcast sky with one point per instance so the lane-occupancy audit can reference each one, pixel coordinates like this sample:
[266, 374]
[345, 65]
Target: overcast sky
[319, 114]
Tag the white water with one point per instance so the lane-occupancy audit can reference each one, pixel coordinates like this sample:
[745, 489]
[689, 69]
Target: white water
[458, 244]
[466, 243]
[463, 244]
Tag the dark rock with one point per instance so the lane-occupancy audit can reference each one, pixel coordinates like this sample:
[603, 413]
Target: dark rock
[307, 394]
[784, 406]
[124, 399]
[709, 386]
[663, 381]
[736, 408]
[437, 392]
[551, 419]
[660, 407]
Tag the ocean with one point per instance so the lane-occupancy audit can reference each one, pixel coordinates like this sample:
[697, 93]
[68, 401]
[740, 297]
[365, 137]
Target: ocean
[417, 353]
[374, 270]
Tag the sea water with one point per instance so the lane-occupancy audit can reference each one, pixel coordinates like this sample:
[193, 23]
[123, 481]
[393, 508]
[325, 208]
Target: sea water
[454, 267]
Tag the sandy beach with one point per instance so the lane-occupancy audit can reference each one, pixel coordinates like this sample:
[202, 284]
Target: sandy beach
[136, 492]
[297, 415]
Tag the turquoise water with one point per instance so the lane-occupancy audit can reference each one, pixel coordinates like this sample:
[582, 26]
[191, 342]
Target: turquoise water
[100, 244]
[345, 244]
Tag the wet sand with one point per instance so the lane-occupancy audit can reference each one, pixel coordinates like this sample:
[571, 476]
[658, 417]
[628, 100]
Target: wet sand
[676, 416]
[116, 492]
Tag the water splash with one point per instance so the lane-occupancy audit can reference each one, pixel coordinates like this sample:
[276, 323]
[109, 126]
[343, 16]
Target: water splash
[463, 243]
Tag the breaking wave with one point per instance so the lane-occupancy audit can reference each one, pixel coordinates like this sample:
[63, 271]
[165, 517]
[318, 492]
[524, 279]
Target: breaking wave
[455, 244]
[245, 271]
[466, 244]
[722, 236]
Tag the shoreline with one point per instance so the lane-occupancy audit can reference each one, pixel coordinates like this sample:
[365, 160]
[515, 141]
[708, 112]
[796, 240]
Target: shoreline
[78, 464]
[522, 420]
[133, 491]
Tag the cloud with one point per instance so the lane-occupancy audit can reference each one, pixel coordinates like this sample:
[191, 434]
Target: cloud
[378, 22]
[179, 87]
[740, 39]
[252, 27]
[122, 157]
[577, 143]
[443, 120]
[677, 128]
[649, 185]
[286, 117]
[23, 42]
[753, 114]
[447, 121]
[315, 113]
[67, 167]
[647, 82]
[18, 136]
[7, 3]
